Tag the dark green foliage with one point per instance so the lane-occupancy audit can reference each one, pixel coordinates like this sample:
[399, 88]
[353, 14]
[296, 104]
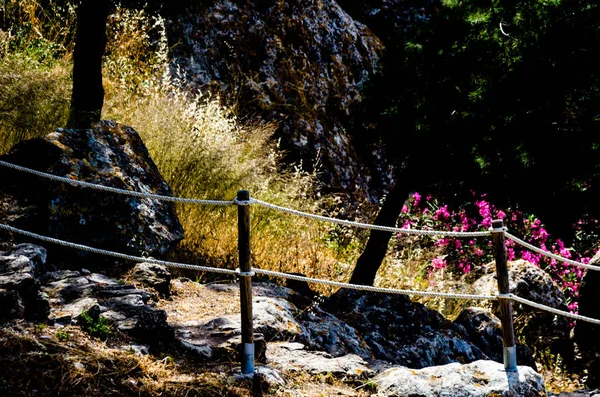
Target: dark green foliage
[95, 325]
[497, 97]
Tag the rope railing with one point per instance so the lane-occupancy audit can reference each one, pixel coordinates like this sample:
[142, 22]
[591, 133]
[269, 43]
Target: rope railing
[295, 277]
[253, 271]
[368, 225]
[75, 182]
[114, 254]
[246, 272]
[549, 254]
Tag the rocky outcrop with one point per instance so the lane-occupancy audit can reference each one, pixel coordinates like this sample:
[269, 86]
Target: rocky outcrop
[477, 379]
[125, 307]
[110, 154]
[586, 334]
[485, 332]
[277, 319]
[20, 296]
[542, 329]
[154, 276]
[403, 332]
[301, 63]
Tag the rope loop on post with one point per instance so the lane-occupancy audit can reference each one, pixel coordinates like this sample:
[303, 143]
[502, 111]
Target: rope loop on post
[241, 202]
[245, 274]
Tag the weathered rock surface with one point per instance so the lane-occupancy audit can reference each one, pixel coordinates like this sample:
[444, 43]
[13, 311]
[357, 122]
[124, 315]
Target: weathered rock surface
[485, 332]
[543, 330]
[19, 287]
[127, 308]
[153, 275]
[478, 379]
[294, 356]
[302, 63]
[110, 154]
[277, 319]
[403, 332]
[586, 334]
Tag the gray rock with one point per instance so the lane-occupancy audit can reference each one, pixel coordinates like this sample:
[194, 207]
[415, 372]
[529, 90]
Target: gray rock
[71, 311]
[485, 332]
[278, 320]
[154, 276]
[478, 379]
[541, 330]
[109, 154]
[20, 295]
[307, 74]
[101, 279]
[403, 332]
[293, 356]
[268, 378]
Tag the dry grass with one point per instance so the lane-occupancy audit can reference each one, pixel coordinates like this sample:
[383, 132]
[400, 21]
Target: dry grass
[203, 151]
[48, 361]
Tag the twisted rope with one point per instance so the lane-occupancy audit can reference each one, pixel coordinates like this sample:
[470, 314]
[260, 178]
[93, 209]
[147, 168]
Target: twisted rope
[367, 225]
[74, 182]
[549, 254]
[116, 254]
[252, 272]
[553, 310]
[372, 289]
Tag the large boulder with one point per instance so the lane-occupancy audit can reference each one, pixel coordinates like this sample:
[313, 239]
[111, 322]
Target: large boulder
[586, 334]
[109, 154]
[403, 332]
[302, 63]
[478, 379]
[541, 329]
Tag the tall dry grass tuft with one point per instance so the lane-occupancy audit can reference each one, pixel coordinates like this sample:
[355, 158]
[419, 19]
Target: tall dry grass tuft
[204, 151]
[33, 101]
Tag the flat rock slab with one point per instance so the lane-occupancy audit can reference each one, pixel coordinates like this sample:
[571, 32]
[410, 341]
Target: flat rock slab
[293, 356]
[482, 378]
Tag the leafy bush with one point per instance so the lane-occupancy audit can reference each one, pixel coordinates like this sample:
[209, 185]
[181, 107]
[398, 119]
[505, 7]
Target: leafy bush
[96, 326]
[454, 257]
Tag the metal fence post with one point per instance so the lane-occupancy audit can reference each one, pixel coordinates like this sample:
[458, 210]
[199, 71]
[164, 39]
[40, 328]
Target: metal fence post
[245, 283]
[506, 313]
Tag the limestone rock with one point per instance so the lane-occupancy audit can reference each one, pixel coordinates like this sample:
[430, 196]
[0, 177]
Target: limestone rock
[109, 154]
[478, 379]
[19, 287]
[126, 307]
[403, 332]
[485, 332]
[154, 276]
[307, 74]
[543, 330]
[294, 356]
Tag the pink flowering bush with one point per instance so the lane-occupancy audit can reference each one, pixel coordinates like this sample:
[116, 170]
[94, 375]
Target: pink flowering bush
[461, 255]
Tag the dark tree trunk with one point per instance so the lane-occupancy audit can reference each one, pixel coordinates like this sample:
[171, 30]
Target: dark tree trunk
[370, 260]
[90, 41]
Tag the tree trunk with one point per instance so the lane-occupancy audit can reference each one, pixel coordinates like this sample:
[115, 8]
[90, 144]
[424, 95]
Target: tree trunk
[90, 41]
[370, 260]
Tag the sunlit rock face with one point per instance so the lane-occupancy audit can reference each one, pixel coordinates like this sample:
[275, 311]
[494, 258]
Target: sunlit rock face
[109, 154]
[302, 63]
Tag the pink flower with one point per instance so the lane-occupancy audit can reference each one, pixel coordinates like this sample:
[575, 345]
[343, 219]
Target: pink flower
[417, 198]
[438, 263]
